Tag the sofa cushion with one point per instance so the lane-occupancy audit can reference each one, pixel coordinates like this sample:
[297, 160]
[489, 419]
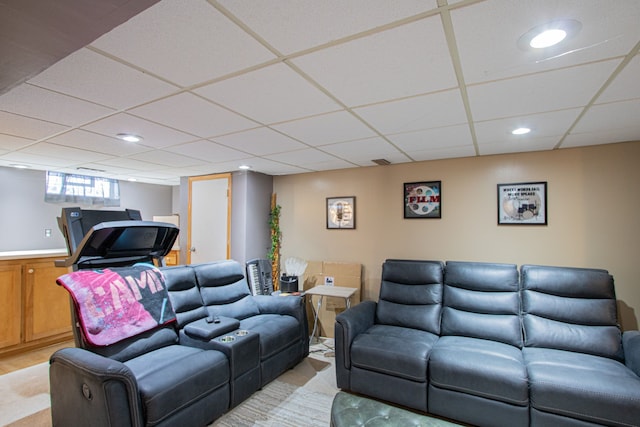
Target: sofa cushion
[482, 300]
[411, 294]
[138, 345]
[393, 350]
[582, 386]
[184, 294]
[276, 332]
[571, 309]
[479, 367]
[165, 390]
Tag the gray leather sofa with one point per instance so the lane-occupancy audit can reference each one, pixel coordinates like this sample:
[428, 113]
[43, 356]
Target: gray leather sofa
[225, 345]
[490, 345]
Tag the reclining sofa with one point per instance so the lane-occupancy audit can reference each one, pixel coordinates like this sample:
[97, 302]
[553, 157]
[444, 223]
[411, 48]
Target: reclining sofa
[223, 345]
[490, 345]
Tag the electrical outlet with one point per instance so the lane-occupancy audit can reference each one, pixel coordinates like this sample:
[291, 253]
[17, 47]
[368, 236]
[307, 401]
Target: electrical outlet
[47, 232]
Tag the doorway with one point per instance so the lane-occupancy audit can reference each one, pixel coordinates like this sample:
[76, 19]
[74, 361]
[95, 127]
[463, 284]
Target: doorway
[209, 222]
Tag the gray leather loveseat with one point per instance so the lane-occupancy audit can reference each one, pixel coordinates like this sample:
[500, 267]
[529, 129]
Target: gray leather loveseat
[490, 345]
[224, 345]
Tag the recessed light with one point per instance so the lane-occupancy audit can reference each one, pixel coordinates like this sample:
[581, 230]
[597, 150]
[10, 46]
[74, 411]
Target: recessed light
[131, 179]
[244, 167]
[549, 34]
[129, 137]
[19, 166]
[520, 131]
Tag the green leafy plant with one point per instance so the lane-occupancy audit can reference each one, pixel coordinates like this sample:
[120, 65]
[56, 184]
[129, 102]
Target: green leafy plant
[276, 234]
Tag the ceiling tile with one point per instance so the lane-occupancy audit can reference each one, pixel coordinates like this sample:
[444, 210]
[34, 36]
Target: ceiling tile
[404, 61]
[269, 95]
[487, 34]
[442, 153]
[128, 163]
[85, 140]
[363, 151]
[260, 141]
[26, 127]
[625, 86]
[10, 142]
[437, 138]
[291, 25]
[69, 154]
[303, 158]
[194, 115]
[171, 38]
[166, 158]
[31, 101]
[326, 129]
[208, 151]
[552, 90]
[153, 134]
[38, 161]
[93, 77]
[553, 124]
[611, 118]
[533, 143]
[421, 112]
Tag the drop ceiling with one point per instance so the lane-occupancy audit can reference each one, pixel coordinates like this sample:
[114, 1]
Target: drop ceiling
[291, 86]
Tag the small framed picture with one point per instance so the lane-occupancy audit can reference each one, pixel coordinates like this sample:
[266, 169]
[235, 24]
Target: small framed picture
[423, 199]
[341, 212]
[523, 203]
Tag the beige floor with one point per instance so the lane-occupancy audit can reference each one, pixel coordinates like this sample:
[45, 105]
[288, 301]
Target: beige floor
[24, 360]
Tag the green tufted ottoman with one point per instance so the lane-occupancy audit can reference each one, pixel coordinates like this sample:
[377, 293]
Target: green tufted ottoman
[348, 410]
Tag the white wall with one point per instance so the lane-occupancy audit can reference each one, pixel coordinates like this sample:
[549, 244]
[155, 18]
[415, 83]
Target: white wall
[24, 215]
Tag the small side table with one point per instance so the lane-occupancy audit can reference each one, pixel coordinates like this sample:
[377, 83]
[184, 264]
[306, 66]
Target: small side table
[328, 291]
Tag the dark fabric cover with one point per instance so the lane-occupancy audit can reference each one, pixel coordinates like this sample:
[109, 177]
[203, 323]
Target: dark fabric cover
[631, 344]
[277, 332]
[583, 386]
[394, 350]
[571, 309]
[484, 368]
[411, 294]
[184, 294]
[207, 328]
[482, 300]
[137, 346]
[164, 389]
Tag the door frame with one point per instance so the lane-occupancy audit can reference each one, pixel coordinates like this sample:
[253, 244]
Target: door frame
[193, 179]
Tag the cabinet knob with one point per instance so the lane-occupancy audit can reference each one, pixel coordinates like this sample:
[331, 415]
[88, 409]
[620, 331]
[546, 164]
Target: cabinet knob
[30, 271]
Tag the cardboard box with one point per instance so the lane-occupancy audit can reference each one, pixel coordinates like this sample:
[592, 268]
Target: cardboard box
[343, 274]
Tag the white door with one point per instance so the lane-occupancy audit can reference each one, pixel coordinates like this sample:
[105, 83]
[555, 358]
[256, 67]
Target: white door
[209, 218]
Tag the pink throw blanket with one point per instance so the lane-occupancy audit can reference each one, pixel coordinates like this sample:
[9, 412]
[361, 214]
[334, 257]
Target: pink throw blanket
[118, 303]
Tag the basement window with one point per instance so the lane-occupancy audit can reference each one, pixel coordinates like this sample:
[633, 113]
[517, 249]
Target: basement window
[81, 189]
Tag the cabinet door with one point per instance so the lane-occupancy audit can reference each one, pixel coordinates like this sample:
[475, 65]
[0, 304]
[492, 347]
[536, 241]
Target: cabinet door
[47, 306]
[11, 312]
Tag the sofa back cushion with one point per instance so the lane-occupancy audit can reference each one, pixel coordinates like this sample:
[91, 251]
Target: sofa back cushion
[184, 294]
[224, 289]
[482, 300]
[131, 348]
[570, 309]
[411, 294]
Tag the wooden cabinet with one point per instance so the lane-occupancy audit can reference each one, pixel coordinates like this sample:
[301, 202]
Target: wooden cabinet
[47, 309]
[172, 258]
[11, 297]
[35, 311]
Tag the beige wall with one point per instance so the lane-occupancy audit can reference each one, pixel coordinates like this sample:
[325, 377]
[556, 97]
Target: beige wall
[593, 213]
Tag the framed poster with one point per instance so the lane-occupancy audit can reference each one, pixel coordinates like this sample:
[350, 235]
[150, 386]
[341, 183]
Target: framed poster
[423, 199]
[341, 212]
[522, 204]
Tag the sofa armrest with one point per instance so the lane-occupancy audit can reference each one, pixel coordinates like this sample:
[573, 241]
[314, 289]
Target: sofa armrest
[631, 347]
[287, 305]
[349, 324]
[87, 387]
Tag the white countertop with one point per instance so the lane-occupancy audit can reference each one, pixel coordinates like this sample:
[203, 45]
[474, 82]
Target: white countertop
[38, 253]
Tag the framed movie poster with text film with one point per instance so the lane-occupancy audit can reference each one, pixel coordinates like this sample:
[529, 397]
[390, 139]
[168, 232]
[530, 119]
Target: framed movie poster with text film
[423, 199]
[522, 203]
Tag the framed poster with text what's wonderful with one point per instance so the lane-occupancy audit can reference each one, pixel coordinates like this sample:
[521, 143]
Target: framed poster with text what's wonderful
[423, 199]
[522, 204]
[341, 212]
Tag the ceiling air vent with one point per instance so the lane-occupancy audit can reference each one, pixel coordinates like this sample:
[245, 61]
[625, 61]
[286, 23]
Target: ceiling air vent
[381, 162]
